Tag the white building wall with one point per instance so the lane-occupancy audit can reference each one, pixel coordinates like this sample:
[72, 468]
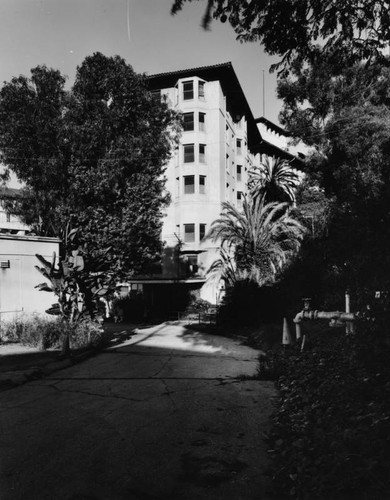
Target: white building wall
[17, 292]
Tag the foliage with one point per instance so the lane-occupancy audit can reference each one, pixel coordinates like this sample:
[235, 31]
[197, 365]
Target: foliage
[198, 305]
[330, 431]
[32, 330]
[131, 307]
[44, 333]
[256, 243]
[347, 120]
[79, 281]
[318, 94]
[274, 179]
[345, 31]
[95, 155]
[245, 303]
[32, 140]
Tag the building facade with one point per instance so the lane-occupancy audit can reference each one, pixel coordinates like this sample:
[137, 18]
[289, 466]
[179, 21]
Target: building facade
[218, 146]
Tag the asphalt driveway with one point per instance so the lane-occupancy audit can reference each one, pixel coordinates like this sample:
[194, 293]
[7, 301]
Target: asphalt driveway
[164, 413]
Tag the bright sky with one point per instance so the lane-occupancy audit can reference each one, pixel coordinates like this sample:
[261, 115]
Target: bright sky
[61, 33]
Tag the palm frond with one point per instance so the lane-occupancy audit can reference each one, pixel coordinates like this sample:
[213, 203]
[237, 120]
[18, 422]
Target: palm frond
[274, 178]
[256, 243]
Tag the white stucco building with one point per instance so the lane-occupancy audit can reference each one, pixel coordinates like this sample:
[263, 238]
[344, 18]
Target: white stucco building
[219, 144]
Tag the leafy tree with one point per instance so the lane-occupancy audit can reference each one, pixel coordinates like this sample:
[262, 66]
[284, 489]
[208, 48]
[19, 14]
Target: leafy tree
[346, 118]
[256, 243]
[32, 142]
[348, 30]
[274, 179]
[94, 156]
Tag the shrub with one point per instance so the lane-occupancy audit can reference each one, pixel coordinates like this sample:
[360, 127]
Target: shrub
[32, 330]
[131, 307]
[84, 333]
[248, 304]
[330, 435]
[37, 331]
[198, 305]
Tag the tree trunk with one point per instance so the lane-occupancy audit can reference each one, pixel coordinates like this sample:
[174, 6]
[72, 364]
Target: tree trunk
[65, 349]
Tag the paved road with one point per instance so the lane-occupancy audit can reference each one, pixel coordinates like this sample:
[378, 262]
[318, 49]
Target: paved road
[163, 414]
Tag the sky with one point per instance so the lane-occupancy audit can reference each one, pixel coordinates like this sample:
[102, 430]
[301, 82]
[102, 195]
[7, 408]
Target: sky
[61, 33]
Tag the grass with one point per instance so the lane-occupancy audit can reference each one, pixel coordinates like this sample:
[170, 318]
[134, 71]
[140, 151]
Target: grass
[43, 332]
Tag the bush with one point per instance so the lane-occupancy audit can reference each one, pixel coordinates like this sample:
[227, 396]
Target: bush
[39, 331]
[32, 330]
[84, 334]
[131, 307]
[198, 305]
[330, 435]
[248, 304]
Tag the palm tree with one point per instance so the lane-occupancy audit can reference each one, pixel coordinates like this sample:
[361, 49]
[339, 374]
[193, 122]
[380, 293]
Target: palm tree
[256, 244]
[274, 178]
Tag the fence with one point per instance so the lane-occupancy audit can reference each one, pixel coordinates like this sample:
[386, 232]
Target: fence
[209, 317]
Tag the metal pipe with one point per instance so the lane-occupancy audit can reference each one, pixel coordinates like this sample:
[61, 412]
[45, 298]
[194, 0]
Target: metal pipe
[306, 314]
[348, 325]
[340, 315]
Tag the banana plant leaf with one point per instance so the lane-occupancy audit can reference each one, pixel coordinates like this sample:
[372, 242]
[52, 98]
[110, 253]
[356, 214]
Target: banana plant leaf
[44, 287]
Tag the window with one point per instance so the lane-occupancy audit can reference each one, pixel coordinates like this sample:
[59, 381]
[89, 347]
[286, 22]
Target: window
[136, 287]
[8, 216]
[201, 90]
[189, 184]
[202, 231]
[177, 186]
[188, 122]
[189, 153]
[202, 153]
[239, 172]
[202, 184]
[238, 144]
[192, 264]
[188, 90]
[202, 121]
[239, 199]
[189, 233]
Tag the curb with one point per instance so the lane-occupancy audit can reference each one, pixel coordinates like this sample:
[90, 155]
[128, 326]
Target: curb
[11, 379]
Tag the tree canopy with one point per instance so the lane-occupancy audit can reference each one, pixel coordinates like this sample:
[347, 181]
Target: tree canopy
[346, 120]
[93, 156]
[300, 31]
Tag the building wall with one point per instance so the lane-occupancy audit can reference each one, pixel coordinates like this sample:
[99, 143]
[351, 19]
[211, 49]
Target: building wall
[282, 141]
[17, 292]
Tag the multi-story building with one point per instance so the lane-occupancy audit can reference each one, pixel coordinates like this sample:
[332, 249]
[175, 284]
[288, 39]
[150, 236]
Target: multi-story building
[219, 144]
